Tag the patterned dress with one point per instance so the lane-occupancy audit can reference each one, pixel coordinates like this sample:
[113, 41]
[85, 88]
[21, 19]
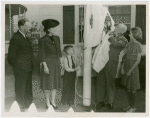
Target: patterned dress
[132, 50]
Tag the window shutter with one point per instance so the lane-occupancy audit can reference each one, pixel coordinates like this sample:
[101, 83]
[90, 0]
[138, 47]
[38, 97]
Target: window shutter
[68, 25]
[141, 20]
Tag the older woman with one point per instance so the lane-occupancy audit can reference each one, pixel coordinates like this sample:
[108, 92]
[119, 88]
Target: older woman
[49, 54]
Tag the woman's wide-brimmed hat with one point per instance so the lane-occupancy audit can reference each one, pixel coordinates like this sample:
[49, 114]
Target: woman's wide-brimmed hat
[48, 23]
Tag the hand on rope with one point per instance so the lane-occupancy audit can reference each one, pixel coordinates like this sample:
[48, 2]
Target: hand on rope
[81, 57]
[110, 33]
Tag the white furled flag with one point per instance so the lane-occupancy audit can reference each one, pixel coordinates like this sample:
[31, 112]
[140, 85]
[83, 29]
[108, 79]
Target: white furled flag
[94, 23]
[101, 54]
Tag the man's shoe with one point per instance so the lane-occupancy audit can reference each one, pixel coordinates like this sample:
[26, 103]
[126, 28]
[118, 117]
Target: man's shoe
[24, 110]
[100, 105]
[110, 106]
[131, 110]
[126, 109]
[55, 107]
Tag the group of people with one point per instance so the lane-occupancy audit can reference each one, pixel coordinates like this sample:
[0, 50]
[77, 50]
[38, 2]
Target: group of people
[20, 57]
[132, 52]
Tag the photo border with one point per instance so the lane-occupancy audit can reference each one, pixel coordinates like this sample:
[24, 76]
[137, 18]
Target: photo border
[71, 113]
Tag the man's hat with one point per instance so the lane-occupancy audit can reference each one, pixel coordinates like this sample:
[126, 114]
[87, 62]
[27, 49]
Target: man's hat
[48, 23]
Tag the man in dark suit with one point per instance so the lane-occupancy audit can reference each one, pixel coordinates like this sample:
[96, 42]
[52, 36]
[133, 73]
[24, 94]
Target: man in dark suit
[20, 57]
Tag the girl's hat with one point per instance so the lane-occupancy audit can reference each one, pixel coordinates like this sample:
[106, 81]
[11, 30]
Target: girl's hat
[48, 23]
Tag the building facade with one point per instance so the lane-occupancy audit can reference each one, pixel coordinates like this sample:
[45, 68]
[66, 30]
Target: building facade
[71, 19]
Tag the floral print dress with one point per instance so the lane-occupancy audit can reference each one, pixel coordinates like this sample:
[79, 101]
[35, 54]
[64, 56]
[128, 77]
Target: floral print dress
[132, 50]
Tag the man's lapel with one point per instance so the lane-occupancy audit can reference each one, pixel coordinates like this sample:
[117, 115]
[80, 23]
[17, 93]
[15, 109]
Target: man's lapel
[24, 40]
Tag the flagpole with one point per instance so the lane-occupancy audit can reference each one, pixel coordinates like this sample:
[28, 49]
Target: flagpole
[87, 64]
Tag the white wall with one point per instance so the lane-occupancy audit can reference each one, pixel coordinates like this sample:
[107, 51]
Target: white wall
[40, 12]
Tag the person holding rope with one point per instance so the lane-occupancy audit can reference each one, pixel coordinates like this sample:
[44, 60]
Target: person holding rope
[70, 66]
[105, 85]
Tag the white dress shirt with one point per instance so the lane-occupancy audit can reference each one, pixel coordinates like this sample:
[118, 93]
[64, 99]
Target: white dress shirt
[69, 67]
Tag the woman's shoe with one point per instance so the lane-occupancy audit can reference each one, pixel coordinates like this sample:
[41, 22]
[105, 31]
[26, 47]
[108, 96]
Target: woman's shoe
[55, 107]
[47, 107]
[24, 110]
[70, 104]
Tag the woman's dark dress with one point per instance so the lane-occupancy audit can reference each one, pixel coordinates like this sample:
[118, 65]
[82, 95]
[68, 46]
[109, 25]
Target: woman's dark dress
[69, 86]
[50, 52]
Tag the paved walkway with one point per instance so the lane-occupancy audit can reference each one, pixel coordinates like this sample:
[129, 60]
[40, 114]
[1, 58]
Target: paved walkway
[39, 97]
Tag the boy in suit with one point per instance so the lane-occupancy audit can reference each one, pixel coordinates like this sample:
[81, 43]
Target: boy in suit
[20, 57]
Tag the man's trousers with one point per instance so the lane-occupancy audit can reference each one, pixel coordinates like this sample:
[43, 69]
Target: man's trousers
[105, 86]
[23, 88]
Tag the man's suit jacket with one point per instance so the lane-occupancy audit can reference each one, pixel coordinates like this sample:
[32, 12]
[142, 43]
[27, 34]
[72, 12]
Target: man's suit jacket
[20, 53]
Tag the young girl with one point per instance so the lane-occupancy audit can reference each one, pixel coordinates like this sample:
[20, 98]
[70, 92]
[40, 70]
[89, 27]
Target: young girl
[69, 76]
[132, 58]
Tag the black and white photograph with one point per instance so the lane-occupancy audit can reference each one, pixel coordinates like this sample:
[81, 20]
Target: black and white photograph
[75, 57]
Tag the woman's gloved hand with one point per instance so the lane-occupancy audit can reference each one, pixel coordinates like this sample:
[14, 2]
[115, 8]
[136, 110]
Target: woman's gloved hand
[46, 70]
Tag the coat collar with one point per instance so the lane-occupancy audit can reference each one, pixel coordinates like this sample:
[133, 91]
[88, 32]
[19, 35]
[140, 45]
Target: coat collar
[48, 38]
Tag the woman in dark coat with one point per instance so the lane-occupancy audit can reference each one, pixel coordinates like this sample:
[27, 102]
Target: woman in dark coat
[50, 54]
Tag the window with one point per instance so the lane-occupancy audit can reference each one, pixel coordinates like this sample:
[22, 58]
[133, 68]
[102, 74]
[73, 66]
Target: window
[81, 22]
[121, 14]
